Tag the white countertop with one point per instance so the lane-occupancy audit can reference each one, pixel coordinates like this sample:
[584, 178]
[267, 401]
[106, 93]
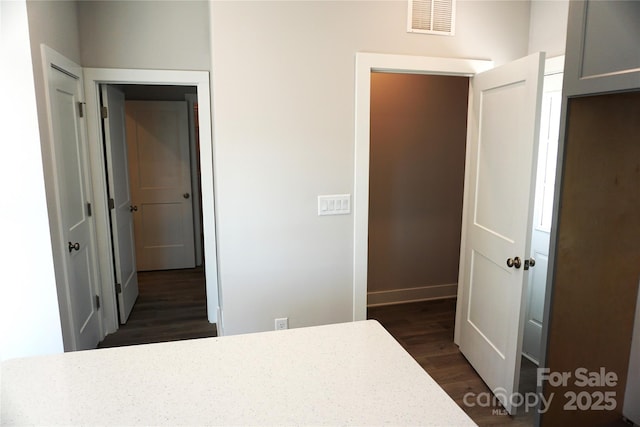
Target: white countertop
[344, 374]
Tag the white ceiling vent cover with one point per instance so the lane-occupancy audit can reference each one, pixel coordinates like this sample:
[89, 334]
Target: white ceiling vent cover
[431, 17]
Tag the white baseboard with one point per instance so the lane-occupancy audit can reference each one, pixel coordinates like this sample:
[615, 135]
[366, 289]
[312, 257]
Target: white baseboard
[422, 293]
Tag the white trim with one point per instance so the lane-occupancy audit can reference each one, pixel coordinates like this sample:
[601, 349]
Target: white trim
[421, 293]
[93, 78]
[365, 64]
[554, 65]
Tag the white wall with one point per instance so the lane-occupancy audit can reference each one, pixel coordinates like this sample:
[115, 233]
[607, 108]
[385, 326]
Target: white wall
[55, 24]
[284, 132]
[167, 35]
[283, 120]
[29, 317]
[548, 26]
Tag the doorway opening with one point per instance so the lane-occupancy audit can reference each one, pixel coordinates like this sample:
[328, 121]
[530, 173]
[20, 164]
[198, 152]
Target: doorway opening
[366, 64]
[416, 182]
[416, 188]
[148, 81]
[157, 159]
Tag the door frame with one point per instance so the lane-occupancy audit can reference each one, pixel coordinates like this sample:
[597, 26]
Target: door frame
[200, 79]
[366, 63]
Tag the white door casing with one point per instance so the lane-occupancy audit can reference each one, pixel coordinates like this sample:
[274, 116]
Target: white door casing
[545, 182]
[74, 236]
[497, 220]
[366, 63]
[121, 212]
[160, 177]
[200, 79]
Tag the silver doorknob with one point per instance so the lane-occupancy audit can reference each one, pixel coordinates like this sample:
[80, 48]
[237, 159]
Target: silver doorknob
[529, 263]
[186, 195]
[515, 262]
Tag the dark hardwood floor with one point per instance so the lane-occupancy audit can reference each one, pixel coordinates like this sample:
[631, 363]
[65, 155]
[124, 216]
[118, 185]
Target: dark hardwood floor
[425, 330]
[171, 306]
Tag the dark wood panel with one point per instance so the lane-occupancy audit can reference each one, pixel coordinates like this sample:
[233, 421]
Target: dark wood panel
[597, 262]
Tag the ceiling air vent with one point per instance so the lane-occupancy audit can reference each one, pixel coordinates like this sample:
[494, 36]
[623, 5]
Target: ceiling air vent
[431, 16]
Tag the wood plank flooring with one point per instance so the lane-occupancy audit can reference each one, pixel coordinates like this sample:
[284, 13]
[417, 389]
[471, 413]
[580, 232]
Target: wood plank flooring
[425, 330]
[171, 306]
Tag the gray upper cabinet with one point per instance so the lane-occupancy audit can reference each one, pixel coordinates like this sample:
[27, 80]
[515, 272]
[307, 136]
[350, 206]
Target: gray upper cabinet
[603, 50]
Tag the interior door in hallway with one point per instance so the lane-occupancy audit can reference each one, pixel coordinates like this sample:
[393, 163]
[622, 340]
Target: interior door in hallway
[159, 171]
[122, 230]
[503, 123]
[73, 188]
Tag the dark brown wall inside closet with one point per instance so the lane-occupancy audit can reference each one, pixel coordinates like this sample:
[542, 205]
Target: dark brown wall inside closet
[418, 138]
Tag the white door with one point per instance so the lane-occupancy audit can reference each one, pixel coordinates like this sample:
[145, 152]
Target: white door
[74, 197]
[159, 169]
[503, 122]
[545, 182]
[121, 209]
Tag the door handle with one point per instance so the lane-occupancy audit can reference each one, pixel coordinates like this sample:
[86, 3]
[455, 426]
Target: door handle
[515, 262]
[531, 262]
[186, 195]
[74, 246]
[133, 208]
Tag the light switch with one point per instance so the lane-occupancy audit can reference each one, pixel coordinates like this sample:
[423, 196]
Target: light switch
[336, 204]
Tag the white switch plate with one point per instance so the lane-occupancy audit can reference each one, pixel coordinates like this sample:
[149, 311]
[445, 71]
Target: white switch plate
[335, 204]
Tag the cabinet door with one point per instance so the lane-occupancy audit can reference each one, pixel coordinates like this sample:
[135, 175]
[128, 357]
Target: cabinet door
[602, 47]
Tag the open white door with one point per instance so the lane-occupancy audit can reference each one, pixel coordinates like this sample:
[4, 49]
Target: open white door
[545, 182]
[498, 214]
[78, 281]
[121, 209]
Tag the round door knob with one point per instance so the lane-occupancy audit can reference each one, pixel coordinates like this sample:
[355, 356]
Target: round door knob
[74, 246]
[515, 262]
[532, 262]
[133, 208]
[186, 195]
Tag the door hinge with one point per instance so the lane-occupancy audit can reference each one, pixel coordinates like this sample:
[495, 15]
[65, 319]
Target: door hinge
[118, 288]
[89, 209]
[97, 302]
[81, 109]
[104, 112]
[112, 204]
